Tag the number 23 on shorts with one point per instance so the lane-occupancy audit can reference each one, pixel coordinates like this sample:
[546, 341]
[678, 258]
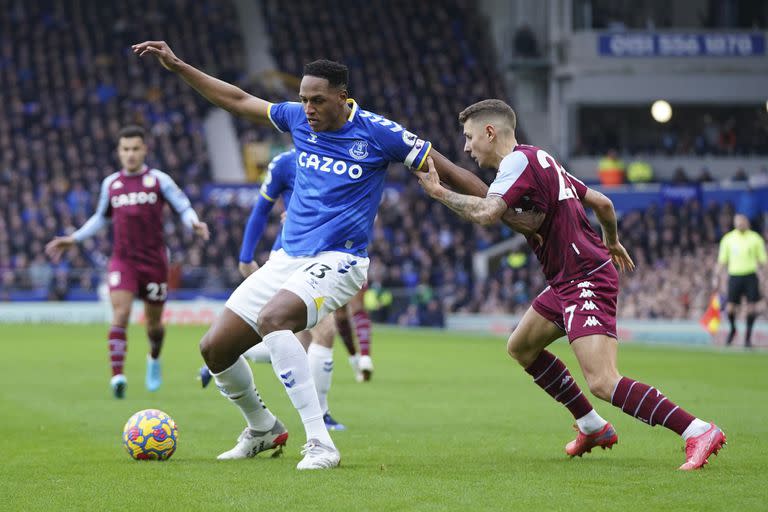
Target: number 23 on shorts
[157, 291]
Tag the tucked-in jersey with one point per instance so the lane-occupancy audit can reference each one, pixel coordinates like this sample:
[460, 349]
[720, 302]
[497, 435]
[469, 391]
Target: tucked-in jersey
[529, 178]
[281, 173]
[742, 252]
[134, 203]
[340, 177]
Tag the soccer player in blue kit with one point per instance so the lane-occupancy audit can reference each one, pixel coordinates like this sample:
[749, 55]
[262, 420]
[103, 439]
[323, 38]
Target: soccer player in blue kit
[343, 153]
[278, 182]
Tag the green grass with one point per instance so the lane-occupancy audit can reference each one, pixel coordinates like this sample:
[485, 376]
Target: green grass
[448, 423]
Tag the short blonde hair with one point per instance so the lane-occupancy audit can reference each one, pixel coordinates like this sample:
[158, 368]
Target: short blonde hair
[490, 108]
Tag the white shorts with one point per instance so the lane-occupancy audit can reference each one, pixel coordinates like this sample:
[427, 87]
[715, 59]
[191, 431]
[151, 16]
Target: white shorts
[325, 282]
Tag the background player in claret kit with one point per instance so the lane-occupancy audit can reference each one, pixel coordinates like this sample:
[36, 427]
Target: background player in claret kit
[342, 154]
[278, 182]
[133, 199]
[354, 316]
[580, 300]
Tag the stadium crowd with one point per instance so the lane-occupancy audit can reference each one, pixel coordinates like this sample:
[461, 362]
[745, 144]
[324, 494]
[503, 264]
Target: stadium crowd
[67, 92]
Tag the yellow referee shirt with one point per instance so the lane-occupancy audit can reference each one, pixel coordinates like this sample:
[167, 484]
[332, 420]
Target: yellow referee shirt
[741, 252]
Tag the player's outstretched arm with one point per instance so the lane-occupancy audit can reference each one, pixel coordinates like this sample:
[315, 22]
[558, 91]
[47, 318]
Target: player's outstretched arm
[480, 210]
[60, 244]
[606, 215]
[459, 179]
[182, 205]
[222, 94]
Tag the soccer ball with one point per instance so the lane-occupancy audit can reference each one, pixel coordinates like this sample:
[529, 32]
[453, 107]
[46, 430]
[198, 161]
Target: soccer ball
[150, 435]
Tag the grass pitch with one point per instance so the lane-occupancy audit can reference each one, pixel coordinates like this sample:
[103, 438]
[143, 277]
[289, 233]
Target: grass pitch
[449, 422]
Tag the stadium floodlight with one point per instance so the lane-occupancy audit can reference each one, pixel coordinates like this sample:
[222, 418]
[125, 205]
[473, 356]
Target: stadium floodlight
[661, 111]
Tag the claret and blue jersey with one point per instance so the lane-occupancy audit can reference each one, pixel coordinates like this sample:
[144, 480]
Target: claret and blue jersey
[340, 177]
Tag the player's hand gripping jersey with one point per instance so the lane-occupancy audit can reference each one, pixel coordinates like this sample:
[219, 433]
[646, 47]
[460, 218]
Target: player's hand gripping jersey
[340, 175]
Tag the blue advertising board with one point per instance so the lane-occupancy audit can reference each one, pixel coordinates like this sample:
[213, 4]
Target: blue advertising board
[645, 44]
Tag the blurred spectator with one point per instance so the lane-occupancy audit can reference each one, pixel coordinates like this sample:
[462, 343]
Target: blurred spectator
[525, 42]
[610, 169]
[705, 176]
[639, 171]
[680, 177]
[740, 175]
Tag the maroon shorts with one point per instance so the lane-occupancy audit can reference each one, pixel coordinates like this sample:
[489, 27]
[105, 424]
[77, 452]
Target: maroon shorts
[583, 306]
[148, 282]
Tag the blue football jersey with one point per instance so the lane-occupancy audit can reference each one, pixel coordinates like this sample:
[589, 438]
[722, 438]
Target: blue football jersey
[281, 173]
[340, 177]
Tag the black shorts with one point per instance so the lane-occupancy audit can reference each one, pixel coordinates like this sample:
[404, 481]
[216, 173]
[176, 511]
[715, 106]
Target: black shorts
[743, 286]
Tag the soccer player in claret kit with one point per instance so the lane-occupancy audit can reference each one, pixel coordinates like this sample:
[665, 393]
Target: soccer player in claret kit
[133, 199]
[342, 152]
[580, 301]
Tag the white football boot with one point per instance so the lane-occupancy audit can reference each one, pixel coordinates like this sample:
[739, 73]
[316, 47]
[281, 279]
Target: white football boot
[252, 442]
[354, 362]
[318, 456]
[366, 367]
[118, 384]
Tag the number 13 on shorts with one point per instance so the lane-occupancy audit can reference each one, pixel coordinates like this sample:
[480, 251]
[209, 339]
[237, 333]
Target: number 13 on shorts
[326, 282]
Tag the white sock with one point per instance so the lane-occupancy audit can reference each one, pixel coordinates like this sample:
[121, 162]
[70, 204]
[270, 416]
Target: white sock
[590, 422]
[696, 428]
[321, 366]
[236, 383]
[291, 365]
[258, 353]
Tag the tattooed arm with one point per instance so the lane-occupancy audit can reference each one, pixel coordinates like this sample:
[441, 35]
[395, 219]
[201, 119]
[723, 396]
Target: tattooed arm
[480, 210]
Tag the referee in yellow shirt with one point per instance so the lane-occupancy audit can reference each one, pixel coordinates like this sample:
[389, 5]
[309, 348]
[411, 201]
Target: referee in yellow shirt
[742, 252]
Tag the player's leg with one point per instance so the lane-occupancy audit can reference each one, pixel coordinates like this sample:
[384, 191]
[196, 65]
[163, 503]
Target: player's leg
[153, 289]
[734, 298]
[232, 334]
[320, 354]
[753, 299]
[751, 311]
[319, 286]
[362, 324]
[344, 328]
[121, 300]
[228, 337]
[153, 313]
[256, 354]
[122, 281]
[596, 354]
[306, 338]
[285, 313]
[539, 327]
